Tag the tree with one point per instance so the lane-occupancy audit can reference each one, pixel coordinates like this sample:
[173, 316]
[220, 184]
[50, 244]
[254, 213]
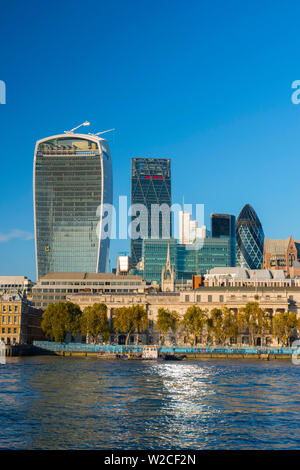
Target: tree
[230, 324]
[254, 319]
[129, 319]
[215, 325]
[284, 325]
[60, 319]
[194, 321]
[166, 320]
[95, 322]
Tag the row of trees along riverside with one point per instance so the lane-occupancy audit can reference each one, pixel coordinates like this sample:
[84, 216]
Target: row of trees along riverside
[219, 326]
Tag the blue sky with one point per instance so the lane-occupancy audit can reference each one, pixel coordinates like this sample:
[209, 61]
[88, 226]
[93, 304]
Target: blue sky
[207, 84]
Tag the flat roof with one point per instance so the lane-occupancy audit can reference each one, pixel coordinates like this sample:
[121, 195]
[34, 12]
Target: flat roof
[81, 276]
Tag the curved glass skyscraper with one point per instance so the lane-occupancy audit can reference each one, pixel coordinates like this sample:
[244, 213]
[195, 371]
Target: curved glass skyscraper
[249, 239]
[72, 179]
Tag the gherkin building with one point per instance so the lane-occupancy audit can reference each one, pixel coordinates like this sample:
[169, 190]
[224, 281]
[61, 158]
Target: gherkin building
[249, 239]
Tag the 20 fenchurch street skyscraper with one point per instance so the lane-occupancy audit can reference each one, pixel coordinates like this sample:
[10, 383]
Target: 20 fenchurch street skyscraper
[72, 179]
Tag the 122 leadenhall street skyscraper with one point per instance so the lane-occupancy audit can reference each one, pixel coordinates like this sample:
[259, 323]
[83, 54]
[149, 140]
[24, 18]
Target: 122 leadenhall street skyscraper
[72, 179]
[150, 184]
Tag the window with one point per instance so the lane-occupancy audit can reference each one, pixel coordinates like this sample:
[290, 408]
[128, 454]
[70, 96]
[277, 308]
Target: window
[187, 298]
[221, 298]
[15, 330]
[198, 298]
[209, 298]
[8, 330]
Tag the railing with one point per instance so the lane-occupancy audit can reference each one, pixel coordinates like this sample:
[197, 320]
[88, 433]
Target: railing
[114, 349]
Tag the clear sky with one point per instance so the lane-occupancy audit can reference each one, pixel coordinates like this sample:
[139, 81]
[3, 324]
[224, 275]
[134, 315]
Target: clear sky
[205, 83]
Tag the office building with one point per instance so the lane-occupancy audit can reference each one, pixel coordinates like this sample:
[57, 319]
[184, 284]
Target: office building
[16, 284]
[54, 287]
[223, 225]
[187, 260]
[188, 229]
[72, 180]
[150, 184]
[249, 239]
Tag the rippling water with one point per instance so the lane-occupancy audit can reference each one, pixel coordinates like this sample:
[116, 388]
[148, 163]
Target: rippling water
[81, 403]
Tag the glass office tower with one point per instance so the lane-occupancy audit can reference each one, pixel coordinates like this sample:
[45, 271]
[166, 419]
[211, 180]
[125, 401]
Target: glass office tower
[223, 225]
[249, 239]
[72, 179]
[187, 262]
[150, 184]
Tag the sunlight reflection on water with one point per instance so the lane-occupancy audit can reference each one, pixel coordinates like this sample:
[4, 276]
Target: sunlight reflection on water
[61, 403]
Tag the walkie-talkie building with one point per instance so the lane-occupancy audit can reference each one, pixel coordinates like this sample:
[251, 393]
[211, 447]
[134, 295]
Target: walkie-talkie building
[72, 179]
[249, 239]
[150, 184]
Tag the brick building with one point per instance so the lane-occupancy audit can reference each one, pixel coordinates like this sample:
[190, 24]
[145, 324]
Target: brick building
[20, 323]
[281, 254]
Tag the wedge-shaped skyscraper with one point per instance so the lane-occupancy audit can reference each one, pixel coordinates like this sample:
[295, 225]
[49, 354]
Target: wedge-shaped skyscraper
[72, 179]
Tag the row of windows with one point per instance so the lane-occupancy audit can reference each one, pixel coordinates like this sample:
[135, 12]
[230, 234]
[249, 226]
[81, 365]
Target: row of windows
[232, 297]
[9, 319]
[9, 308]
[9, 331]
[45, 283]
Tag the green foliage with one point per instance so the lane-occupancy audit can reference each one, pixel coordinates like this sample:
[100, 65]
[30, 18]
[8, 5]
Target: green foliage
[284, 325]
[129, 319]
[215, 325]
[253, 319]
[230, 324]
[194, 321]
[95, 322]
[60, 319]
[166, 320]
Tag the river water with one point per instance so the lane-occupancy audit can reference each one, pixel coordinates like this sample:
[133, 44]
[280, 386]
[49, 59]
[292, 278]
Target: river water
[87, 403]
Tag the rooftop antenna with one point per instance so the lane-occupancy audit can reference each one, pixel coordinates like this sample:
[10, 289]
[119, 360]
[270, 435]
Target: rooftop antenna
[85, 123]
[103, 132]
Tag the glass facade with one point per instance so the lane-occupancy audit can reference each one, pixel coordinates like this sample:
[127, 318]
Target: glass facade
[249, 239]
[223, 225]
[155, 257]
[72, 178]
[186, 261]
[150, 184]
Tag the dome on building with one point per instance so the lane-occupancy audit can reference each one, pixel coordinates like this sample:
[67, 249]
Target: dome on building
[249, 239]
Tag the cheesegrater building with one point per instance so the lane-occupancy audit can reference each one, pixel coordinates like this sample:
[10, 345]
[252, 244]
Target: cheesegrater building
[72, 179]
[151, 184]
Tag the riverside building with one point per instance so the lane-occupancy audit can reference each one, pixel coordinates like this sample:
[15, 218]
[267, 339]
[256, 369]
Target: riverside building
[55, 287]
[20, 323]
[273, 299]
[16, 283]
[72, 179]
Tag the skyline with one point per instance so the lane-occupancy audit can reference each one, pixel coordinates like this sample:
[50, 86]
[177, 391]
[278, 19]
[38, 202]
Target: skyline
[188, 91]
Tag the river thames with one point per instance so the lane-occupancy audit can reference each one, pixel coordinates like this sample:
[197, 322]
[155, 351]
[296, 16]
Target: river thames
[86, 403]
